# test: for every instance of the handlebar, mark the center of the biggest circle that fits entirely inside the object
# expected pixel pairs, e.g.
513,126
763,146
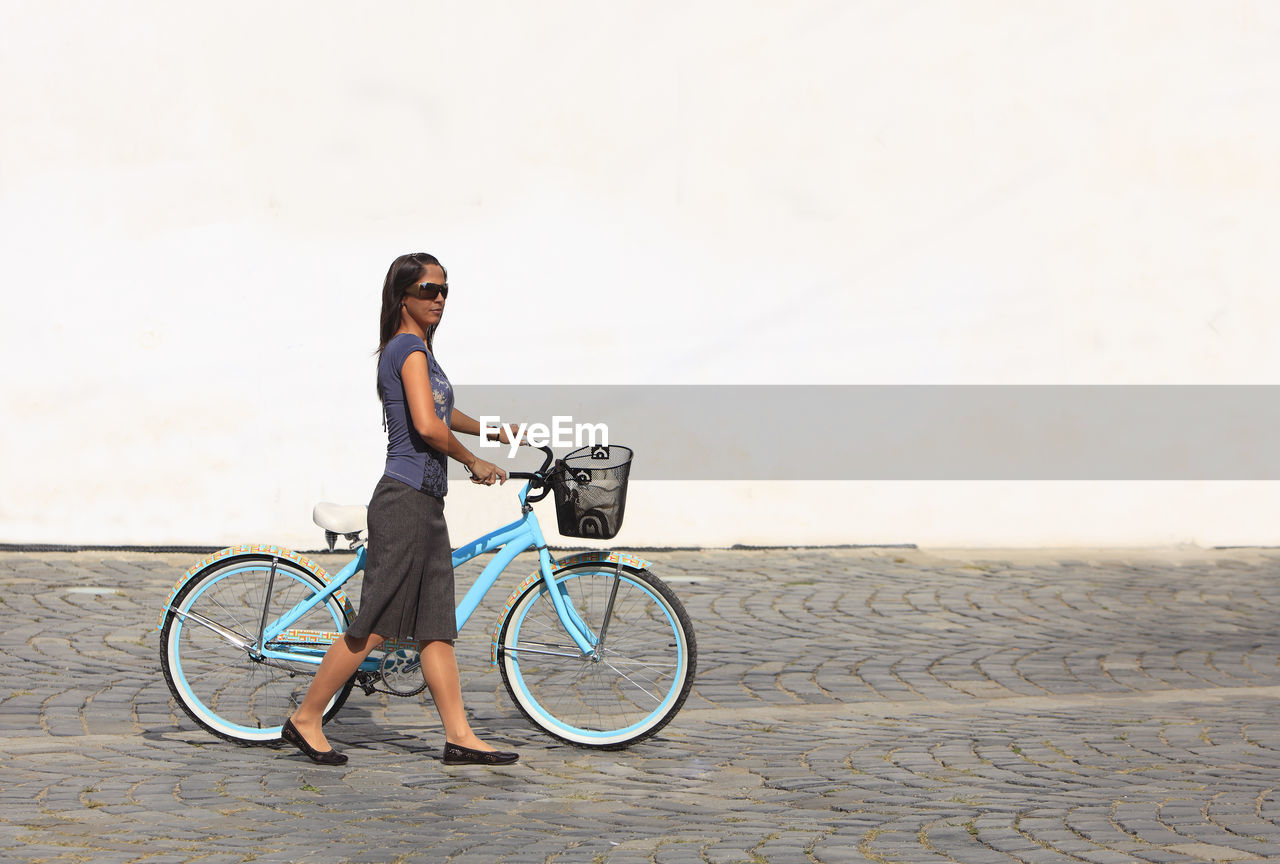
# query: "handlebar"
536,478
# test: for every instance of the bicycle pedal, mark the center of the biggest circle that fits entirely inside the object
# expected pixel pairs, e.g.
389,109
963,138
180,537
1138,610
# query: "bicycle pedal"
366,682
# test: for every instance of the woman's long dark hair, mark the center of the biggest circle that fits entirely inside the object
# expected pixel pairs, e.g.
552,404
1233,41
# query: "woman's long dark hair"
404,271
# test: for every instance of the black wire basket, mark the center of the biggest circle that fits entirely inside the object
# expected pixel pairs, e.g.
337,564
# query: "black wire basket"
590,486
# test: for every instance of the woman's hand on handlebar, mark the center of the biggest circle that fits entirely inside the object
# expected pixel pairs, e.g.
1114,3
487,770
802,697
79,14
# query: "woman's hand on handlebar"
486,473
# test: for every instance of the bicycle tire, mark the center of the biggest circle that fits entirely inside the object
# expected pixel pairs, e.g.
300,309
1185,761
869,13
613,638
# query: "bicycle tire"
218,684
637,685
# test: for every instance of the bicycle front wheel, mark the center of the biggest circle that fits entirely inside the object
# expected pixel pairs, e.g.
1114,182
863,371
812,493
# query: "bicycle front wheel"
218,681
624,692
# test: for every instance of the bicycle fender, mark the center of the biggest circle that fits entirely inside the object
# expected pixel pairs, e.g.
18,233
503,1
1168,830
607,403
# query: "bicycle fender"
604,556
245,551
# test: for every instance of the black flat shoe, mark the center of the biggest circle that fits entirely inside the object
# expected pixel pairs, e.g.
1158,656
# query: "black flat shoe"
291,734
456,754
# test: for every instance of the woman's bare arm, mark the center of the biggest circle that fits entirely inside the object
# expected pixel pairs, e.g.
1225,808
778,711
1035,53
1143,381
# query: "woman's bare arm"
468,425
433,430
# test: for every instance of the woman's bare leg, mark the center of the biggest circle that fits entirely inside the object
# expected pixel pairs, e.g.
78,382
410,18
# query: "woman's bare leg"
440,669
339,664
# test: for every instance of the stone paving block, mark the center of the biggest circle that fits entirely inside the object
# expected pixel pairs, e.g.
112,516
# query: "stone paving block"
627,856
1108,857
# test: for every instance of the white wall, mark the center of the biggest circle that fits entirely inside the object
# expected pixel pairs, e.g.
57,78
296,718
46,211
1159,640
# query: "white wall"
198,202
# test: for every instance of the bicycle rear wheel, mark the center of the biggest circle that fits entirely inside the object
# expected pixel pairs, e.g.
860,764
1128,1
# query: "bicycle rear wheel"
219,683
625,693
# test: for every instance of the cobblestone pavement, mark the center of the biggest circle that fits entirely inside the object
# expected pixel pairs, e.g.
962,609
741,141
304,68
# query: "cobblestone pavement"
851,705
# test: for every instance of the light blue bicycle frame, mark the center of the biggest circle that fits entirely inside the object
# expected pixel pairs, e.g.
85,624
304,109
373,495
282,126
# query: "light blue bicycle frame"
523,534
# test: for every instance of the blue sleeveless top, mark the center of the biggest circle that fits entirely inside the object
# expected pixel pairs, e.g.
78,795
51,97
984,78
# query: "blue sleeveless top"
410,459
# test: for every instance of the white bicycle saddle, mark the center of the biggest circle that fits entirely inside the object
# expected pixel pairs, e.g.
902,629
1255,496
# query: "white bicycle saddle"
341,518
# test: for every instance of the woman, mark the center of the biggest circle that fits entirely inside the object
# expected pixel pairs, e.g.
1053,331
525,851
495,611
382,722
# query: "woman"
408,581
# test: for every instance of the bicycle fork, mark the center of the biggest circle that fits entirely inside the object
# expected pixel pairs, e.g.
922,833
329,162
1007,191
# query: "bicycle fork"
591,644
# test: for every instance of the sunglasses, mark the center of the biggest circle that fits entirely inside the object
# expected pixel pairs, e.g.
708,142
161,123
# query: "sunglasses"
428,290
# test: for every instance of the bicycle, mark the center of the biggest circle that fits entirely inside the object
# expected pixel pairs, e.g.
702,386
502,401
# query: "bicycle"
594,649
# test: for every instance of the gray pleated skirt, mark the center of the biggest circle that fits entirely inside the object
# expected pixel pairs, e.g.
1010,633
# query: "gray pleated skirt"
408,576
